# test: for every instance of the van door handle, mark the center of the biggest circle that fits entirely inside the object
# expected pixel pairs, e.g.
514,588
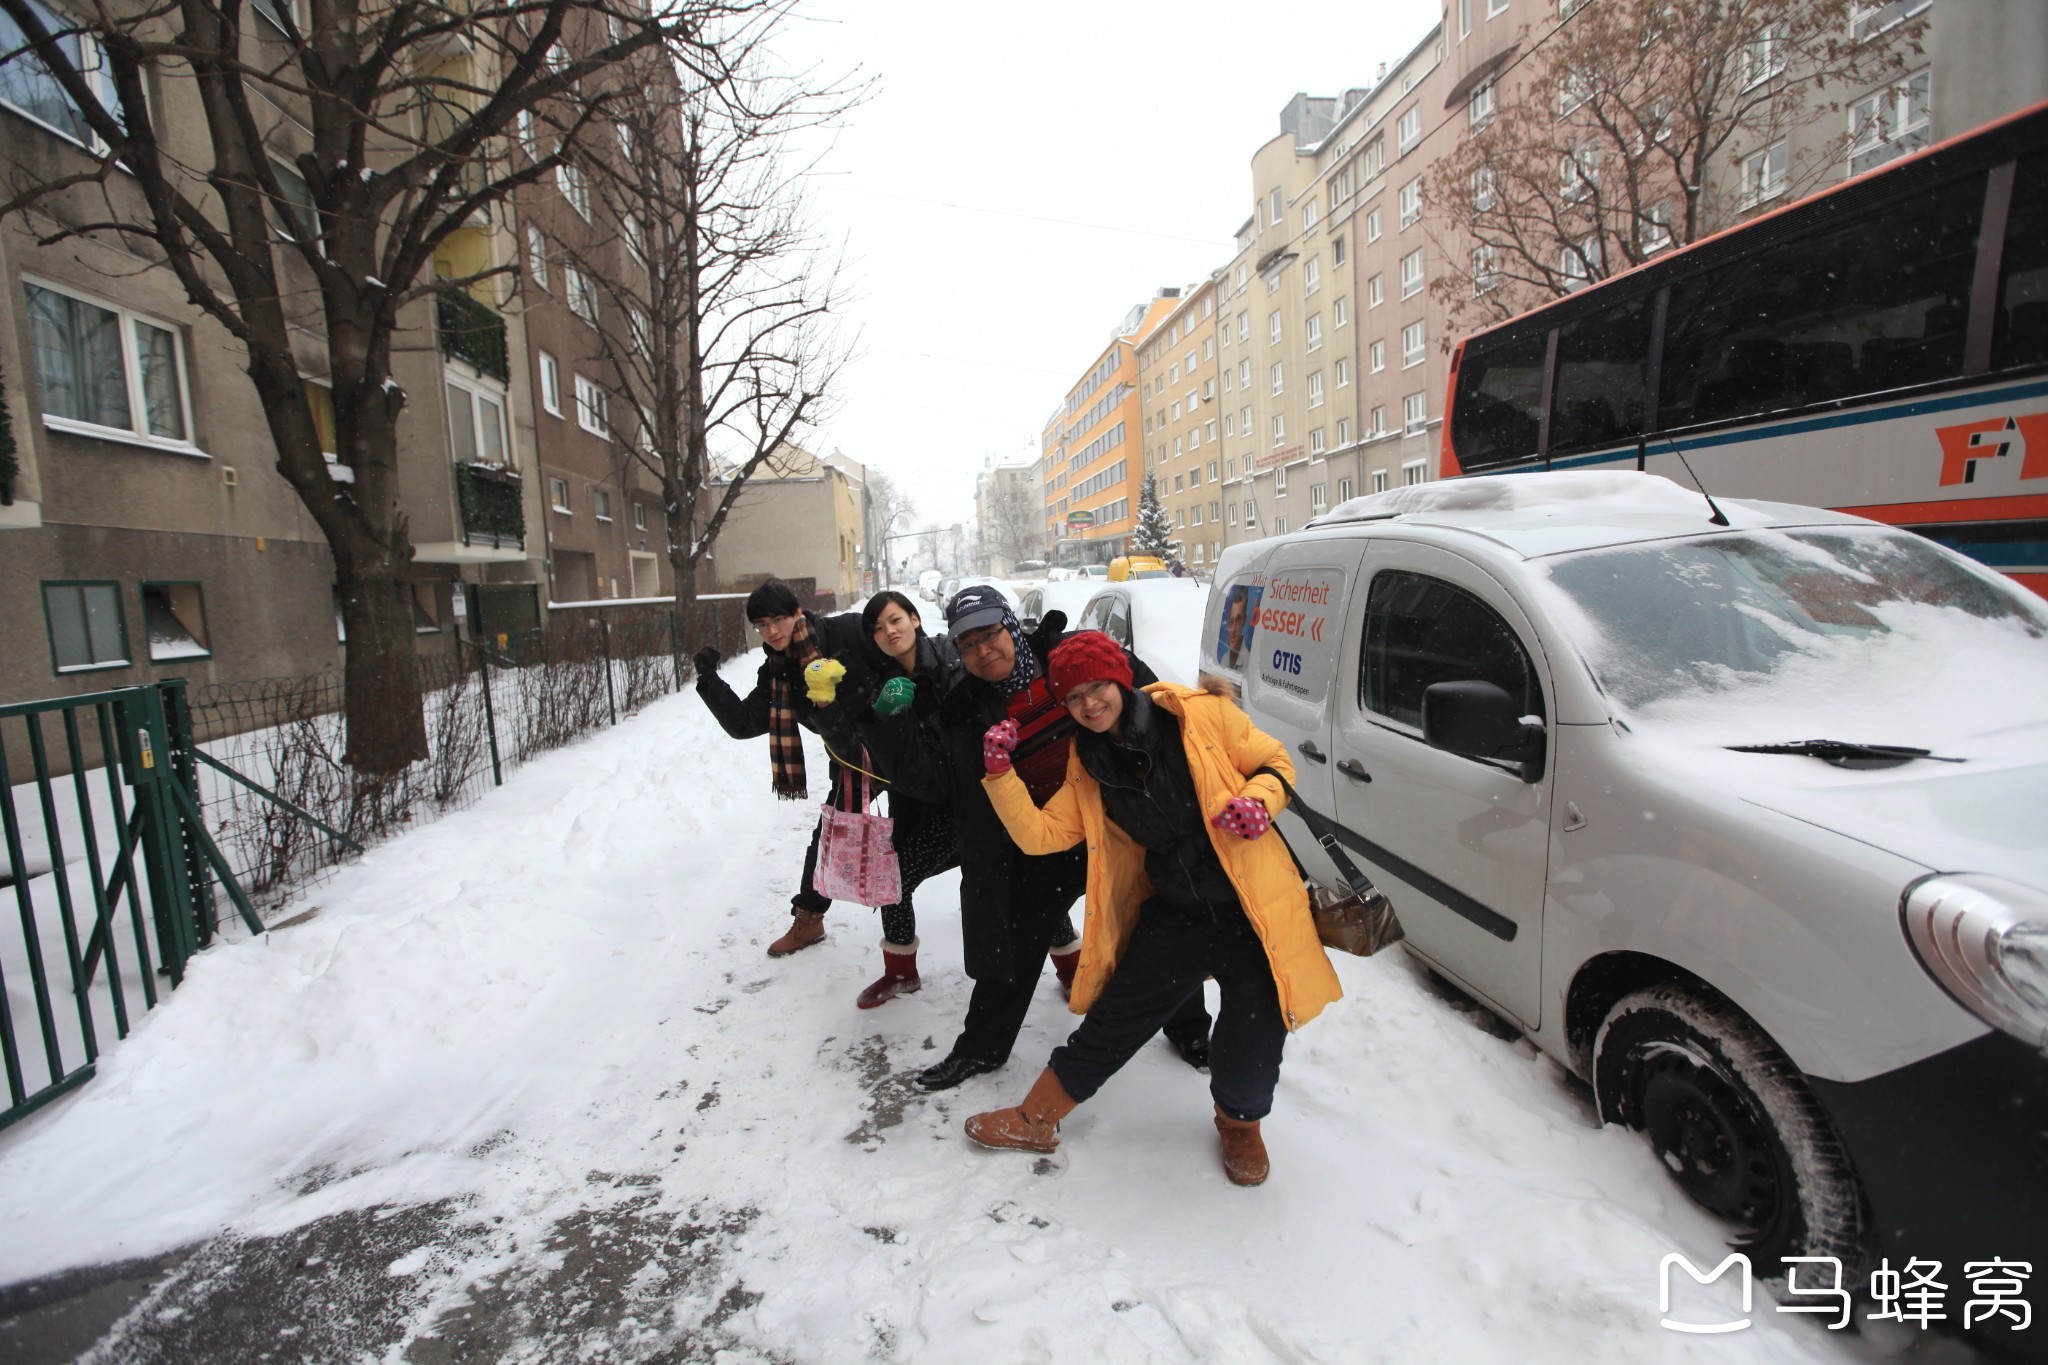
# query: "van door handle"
1309,750
1354,770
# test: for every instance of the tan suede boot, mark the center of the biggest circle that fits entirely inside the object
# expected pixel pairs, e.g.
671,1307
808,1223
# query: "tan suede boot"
1244,1151
1032,1126
807,927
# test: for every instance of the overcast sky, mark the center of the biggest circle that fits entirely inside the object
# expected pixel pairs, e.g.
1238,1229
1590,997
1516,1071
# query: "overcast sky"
1023,175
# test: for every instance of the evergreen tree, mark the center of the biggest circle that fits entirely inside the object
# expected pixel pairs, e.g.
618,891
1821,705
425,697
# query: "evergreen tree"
1154,534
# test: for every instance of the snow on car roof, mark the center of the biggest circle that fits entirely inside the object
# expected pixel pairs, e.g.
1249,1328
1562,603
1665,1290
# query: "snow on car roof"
1546,513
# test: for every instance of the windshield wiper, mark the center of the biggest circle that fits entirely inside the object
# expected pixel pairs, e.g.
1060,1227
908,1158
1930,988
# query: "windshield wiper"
1845,755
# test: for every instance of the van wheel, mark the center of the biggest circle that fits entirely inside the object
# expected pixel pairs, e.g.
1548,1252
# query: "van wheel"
1729,1114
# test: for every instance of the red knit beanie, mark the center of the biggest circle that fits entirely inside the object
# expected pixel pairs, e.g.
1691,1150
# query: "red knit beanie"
1087,656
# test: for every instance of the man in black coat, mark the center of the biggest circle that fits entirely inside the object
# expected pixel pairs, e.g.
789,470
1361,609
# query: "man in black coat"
790,637
1009,900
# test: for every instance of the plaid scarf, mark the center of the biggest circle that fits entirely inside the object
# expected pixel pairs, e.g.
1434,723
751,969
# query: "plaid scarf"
785,740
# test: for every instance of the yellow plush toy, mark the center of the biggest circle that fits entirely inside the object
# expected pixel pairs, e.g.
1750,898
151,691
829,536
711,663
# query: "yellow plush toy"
821,680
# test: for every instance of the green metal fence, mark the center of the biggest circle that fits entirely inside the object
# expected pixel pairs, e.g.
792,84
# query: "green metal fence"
110,869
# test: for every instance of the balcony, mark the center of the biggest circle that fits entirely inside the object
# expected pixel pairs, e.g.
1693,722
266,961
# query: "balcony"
473,333
492,506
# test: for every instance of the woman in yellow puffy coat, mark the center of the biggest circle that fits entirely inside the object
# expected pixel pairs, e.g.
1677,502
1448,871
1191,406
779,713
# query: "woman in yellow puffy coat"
1184,883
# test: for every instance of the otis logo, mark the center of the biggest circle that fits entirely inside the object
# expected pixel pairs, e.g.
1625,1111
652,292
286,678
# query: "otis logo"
1964,445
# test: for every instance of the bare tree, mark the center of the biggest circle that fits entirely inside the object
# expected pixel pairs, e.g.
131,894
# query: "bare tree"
1014,525
338,145
717,328
1600,149
893,508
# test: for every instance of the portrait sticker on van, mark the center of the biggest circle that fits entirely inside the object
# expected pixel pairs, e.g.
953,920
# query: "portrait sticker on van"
1297,631
1235,627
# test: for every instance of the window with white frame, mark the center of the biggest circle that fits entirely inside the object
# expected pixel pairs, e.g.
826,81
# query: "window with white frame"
1243,274
1273,327
1344,372
1312,275
1411,274
476,423
106,370
1336,251
1414,472
1280,481
1414,413
1764,55
1578,170
28,87
1372,226
1411,202
1279,429
522,130
1578,261
1244,326
1343,491
592,408
1375,292
639,516
1315,332
1411,345
1653,230
1374,159
1315,389
601,504
1485,269
1479,108
1482,189
1208,348
1408,130
1496,8
1209,430
537,256
1279,526
1464,19
1244,420
582,292
558,495
636,237
1244,373
1176,409
1195,515
1231,517
1574,88
1198,552
1340,312
1318,494
550,383
1251,514
1379,481
575,188
1376,357
1279,377
1273,208
1229,425
1343,434
1763,175
1308,215
1889,123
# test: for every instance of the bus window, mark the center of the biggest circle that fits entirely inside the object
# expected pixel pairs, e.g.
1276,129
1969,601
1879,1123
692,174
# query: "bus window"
2020,336
1500,389
1878,304
1602,369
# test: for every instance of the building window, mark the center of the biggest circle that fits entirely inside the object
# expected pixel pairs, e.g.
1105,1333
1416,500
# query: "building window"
1375,291
1273,208
1578,171
1244,326
87,629
1308,215
1273,327
1279,429
1411,345
1764,56
476,424
591,408
636,236
1279,377
1244,373
1479,108
1343,491
1408,131
1379,423
558,494
537,256
1344,372
1379,481
639,516
1496,8
1231,517
1411,274
1318,497
1372,226
1315,332
1315,389
1485,269
1336,251
550,384
1312,275
1482,189
1888,124
1376,356
1414,413
1763,175
1340,312
569,177
174,618
582,291
1280,481
1244,421
1411,202
1344,439
1414,472
27,87
1653,232
107,370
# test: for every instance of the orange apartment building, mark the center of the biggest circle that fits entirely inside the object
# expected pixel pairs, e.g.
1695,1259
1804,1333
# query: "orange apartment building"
1091,461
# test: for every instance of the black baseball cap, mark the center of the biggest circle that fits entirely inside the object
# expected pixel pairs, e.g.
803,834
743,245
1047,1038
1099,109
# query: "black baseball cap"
974,607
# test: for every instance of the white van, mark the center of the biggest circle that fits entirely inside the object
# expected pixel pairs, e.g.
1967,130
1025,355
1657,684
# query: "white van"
1741,813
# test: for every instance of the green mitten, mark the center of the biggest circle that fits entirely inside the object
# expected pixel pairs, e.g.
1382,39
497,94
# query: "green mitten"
895,697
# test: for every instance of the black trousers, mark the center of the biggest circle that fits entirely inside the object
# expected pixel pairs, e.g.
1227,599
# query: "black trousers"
1041,891
1170,954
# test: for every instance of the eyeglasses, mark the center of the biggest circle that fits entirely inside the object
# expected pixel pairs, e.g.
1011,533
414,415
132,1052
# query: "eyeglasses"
1088,693
761,621
980,640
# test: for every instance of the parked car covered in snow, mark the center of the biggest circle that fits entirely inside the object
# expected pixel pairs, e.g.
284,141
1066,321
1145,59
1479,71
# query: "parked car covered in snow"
1157,619
1740,813
1068,596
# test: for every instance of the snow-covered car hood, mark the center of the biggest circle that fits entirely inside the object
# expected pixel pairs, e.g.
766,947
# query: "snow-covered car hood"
1988,815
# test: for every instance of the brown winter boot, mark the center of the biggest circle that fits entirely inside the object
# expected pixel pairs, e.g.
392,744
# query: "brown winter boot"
1244,1151
1032,1126
1066,959
806,928
899,975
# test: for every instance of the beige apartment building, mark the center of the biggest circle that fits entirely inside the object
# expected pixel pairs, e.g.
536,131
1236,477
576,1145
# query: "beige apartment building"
146,533
799,516
1179,373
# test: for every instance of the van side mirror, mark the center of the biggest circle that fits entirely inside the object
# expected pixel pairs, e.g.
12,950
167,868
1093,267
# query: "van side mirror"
1480,720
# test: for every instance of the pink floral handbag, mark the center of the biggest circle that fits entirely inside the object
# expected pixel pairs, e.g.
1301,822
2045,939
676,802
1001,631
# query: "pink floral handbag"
857,850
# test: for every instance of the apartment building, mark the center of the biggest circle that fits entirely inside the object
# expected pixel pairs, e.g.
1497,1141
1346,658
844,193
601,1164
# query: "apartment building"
1009,515
1093,465
799,516
145,531
1179,377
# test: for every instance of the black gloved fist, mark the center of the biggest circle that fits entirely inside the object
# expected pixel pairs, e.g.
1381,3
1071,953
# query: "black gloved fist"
707,660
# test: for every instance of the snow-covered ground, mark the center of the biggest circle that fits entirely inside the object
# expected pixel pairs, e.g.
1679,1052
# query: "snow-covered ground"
557,1001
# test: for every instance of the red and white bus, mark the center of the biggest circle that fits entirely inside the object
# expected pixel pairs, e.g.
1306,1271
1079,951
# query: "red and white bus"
1880,348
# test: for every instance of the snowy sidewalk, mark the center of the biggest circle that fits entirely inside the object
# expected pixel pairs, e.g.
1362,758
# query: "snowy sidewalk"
526,1087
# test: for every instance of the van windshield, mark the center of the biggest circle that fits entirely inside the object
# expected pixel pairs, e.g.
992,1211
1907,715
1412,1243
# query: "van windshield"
1810,616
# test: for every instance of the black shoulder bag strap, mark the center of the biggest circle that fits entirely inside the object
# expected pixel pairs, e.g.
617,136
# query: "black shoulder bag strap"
1325,832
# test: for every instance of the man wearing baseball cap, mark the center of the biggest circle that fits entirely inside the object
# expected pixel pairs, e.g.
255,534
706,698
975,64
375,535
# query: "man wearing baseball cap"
1012,905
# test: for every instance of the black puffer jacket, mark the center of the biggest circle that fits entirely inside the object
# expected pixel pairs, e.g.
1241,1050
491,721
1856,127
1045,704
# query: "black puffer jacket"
938,758
867,668
746,717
